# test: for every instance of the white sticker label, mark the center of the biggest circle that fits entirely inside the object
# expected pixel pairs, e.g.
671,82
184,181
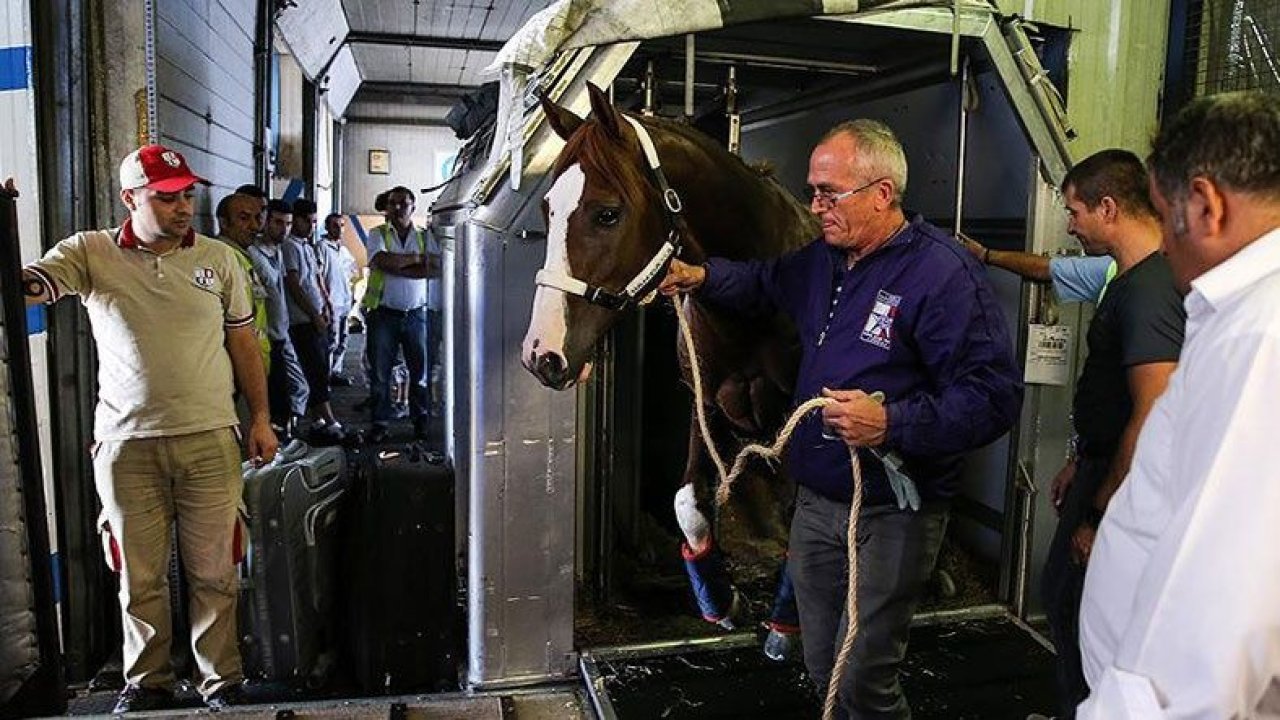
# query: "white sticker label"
1048,355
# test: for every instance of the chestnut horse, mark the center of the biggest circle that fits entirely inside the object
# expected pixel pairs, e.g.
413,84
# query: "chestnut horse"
628,194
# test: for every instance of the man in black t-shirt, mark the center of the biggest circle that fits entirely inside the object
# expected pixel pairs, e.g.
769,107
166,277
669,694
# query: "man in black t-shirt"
1134,341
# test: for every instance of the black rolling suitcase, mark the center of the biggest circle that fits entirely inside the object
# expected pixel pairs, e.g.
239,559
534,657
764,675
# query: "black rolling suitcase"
403,600
290,576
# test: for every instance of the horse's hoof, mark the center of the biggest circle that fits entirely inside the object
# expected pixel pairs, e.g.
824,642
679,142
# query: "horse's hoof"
729,621
778,646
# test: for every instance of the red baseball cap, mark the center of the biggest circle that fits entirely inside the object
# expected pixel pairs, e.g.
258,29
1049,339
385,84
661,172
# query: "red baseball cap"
158,168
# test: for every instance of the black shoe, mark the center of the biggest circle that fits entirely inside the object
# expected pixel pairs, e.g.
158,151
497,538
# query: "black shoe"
339,381
377,435
227,696
135,698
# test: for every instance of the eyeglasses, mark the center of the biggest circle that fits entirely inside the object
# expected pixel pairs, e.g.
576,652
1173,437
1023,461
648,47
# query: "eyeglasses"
828,199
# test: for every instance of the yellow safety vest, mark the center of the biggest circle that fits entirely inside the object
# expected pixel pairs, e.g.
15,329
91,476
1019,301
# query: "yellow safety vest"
259,300
377,278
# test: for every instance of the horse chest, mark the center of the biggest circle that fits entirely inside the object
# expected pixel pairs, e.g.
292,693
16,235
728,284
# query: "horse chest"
747,364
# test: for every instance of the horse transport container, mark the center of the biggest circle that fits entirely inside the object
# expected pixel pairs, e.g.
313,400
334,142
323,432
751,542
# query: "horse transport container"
555,500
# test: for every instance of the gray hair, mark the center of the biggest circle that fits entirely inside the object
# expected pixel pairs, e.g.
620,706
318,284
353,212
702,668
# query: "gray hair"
879,152
1232,139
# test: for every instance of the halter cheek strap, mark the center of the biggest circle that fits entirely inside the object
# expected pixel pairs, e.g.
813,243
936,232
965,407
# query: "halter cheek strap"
632,293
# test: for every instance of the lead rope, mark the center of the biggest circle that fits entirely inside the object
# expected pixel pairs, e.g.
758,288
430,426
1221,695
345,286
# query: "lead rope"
772,452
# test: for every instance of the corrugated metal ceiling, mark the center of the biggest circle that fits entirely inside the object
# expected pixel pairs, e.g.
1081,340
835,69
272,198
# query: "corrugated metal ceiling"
434,49
421,65
424,53
466,19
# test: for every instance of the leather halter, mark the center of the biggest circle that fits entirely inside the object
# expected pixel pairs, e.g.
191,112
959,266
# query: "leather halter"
635,291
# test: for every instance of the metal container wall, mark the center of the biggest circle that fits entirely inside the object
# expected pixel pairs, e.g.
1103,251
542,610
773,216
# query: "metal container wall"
512,441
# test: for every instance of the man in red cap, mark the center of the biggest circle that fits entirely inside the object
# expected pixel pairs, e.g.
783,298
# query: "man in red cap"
172,317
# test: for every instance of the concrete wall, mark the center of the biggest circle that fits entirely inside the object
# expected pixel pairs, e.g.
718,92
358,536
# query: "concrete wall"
205,90
416,151
288,149
121,101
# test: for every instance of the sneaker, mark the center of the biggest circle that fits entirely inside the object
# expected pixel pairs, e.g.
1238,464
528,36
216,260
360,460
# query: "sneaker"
377,435
777,646
226,696
135,698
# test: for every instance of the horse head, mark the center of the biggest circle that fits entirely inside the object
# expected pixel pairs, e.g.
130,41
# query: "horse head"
610,236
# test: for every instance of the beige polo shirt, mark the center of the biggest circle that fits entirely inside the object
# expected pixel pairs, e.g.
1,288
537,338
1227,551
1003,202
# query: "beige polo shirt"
159,321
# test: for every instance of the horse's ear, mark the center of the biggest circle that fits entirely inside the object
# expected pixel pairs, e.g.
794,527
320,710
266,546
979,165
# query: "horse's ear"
563,121
604,111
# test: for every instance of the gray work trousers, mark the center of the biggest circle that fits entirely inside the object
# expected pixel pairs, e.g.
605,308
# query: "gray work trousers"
296,380
896,553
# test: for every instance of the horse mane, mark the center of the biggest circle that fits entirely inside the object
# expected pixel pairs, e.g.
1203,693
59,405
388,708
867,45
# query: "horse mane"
765,169
802,224
596,151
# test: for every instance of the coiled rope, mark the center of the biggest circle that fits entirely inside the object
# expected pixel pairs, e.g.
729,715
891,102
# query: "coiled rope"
772,452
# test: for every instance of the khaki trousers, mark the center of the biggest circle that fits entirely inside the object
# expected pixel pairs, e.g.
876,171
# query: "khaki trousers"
146,485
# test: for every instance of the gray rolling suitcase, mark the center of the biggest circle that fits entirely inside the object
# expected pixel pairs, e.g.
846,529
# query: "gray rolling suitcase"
289,577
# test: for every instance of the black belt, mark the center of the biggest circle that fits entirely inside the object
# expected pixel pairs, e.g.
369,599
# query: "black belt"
394,311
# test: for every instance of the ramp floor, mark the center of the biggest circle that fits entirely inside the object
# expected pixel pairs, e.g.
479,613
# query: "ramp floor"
984,669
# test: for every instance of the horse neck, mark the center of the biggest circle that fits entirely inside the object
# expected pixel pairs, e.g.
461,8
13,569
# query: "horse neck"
731,210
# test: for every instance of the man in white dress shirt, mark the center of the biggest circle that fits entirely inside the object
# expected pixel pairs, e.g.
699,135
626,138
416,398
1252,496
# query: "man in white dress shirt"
1181,609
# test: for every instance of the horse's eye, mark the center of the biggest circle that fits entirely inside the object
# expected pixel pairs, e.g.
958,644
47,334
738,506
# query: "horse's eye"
608,217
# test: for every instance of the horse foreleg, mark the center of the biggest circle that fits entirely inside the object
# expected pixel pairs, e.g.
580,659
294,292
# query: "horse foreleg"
693,521
708,576
784,618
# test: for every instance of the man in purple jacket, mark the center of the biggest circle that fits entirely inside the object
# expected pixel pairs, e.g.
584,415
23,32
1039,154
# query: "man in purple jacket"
883,305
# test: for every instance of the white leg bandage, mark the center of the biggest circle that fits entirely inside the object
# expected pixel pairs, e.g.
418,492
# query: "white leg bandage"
697,531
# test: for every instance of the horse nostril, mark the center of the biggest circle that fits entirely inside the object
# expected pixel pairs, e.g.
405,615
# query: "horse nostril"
553,363
551,368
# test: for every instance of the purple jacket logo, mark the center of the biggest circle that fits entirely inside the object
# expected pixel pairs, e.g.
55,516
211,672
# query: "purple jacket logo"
879,328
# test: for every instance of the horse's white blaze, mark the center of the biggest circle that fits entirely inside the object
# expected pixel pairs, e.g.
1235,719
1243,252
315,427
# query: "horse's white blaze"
547,326
693,523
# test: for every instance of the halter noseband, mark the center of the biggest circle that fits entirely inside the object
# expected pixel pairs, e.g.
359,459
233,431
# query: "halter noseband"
631,295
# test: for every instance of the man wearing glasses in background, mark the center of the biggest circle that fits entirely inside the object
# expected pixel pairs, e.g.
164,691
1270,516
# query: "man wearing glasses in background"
899,327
